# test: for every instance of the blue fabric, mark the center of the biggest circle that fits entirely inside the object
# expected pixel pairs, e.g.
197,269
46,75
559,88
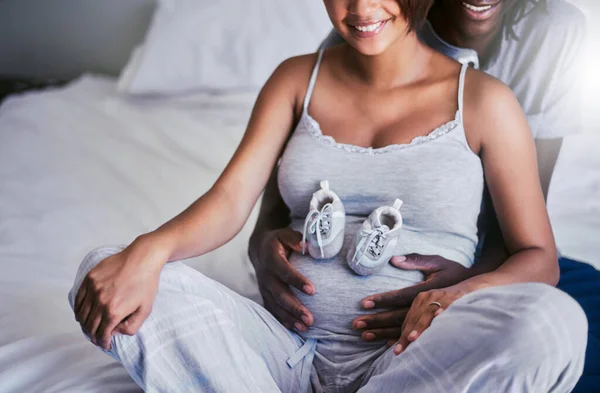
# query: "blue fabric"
582,282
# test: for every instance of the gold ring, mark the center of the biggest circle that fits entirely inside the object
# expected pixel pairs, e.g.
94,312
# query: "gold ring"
436,304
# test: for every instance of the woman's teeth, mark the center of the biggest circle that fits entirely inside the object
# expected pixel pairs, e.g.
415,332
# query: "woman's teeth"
368,28
475,8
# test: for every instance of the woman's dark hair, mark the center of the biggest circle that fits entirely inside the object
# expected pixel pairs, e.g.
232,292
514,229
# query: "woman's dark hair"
415,12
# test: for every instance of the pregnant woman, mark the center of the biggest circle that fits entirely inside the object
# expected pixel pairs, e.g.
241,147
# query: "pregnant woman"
381,117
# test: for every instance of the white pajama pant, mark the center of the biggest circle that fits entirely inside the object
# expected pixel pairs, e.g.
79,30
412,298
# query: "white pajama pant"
203,337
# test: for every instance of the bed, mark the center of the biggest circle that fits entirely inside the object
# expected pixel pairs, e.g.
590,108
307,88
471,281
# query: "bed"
67,188
85,165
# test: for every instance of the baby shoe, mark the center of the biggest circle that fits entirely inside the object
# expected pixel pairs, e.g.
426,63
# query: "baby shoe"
376,240
324,224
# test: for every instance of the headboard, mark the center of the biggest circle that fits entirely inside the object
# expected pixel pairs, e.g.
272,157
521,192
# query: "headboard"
64,38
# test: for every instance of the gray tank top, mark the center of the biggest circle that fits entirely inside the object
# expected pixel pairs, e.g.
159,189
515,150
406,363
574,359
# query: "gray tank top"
439,178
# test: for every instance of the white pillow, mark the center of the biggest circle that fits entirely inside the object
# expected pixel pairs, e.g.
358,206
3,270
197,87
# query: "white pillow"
217,45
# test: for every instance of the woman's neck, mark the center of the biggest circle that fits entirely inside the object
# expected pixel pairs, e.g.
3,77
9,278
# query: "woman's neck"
401,63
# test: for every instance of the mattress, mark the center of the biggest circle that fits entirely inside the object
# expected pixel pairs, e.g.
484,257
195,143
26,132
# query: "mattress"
82,167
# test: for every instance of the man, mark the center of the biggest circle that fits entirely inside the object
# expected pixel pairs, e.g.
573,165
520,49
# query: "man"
533,46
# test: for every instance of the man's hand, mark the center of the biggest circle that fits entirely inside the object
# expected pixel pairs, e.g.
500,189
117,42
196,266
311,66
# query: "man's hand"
275,275
387,325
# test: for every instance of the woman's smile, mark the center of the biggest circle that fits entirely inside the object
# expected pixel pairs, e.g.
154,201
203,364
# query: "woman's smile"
368,29
371,26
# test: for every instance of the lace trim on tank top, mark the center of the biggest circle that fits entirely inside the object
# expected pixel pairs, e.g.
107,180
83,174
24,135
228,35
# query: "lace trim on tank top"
314,128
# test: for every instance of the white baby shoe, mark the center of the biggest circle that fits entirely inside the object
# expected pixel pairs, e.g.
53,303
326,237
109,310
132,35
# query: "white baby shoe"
324,225
376,240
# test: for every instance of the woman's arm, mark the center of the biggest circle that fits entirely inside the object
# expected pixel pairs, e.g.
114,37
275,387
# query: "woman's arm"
493,252
117,294
498,129
220,214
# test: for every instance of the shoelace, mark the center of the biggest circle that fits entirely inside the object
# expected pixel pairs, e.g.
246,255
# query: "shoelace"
317,222
372,241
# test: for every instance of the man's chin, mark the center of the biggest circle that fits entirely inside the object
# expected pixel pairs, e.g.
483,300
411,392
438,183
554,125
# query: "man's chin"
473,30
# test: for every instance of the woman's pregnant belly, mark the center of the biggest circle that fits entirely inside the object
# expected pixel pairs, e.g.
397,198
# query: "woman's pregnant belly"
340,291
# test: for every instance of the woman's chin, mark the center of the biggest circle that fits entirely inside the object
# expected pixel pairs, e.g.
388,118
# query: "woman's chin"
373,48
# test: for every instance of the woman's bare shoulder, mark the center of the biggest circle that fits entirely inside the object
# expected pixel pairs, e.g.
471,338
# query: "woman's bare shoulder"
489,106
293,75
481,88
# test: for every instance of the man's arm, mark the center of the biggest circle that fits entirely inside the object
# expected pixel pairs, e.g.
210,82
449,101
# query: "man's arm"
273,214
271,244
547,155
561,115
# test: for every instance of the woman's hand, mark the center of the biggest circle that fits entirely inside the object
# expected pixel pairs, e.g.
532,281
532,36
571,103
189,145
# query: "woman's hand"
117,294
387,325
275,275
425,308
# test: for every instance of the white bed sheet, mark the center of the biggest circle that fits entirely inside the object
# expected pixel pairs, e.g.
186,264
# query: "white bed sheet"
81,167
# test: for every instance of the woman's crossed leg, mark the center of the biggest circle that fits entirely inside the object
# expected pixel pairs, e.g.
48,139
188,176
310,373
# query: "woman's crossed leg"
521,338
201,336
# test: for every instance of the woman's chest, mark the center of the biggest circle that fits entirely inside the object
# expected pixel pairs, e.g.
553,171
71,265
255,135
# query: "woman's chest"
436,174
371,118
